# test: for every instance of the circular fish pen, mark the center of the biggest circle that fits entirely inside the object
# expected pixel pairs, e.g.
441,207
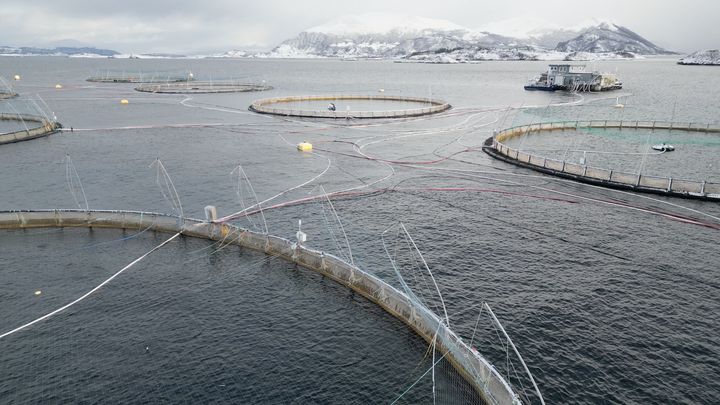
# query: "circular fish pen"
200,87
474,368
121,76
558,156
336,106
24,127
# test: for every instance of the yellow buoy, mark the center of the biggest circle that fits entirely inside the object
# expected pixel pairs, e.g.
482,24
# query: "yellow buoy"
124,101
17,77
58,86
304,147
38,292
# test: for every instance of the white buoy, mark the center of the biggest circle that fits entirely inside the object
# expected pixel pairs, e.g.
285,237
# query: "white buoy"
300,235
210,213
17,77
58,86
38,292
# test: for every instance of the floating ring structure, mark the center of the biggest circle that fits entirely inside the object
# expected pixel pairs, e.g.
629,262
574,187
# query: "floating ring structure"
199,87
44,127
138,77
485,379
703,190
268,106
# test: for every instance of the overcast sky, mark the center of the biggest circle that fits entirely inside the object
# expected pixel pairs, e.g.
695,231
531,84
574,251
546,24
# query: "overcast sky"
186,26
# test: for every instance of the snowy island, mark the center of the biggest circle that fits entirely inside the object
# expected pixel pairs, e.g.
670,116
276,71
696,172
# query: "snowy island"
707,57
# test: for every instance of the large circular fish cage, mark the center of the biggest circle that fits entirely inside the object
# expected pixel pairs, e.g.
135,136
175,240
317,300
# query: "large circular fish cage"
199,87
33,127
484,378
139,77
274,106
603,176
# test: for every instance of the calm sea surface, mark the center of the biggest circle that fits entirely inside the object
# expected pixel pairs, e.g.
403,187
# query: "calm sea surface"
610,297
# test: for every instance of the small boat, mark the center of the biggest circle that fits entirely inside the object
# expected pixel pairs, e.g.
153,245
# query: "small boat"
663,147
540,84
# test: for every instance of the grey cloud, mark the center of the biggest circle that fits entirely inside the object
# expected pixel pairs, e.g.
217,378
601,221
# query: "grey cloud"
186,26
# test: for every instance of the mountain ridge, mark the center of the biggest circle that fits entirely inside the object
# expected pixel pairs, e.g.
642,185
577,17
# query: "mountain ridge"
368,36
57,51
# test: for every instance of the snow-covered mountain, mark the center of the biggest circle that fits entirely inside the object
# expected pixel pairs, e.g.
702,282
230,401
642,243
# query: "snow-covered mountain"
610,37
393,44
416,38
384,36
708,57
235,53
58,51
538,32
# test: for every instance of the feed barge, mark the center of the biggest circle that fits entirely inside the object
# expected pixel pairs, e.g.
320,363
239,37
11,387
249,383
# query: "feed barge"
569,77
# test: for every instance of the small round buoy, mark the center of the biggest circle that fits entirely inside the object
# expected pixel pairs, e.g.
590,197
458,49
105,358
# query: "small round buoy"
124,101
304,147
38,292
618,105
17,77
58,86
381,90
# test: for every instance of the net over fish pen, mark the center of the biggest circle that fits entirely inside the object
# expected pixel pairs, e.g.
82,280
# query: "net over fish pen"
25,119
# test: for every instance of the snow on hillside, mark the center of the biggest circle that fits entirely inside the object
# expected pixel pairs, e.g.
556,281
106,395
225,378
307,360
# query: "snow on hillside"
610,37
57,51
707,57
397,36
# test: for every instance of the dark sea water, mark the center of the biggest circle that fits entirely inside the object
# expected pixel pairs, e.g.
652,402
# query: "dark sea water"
610,297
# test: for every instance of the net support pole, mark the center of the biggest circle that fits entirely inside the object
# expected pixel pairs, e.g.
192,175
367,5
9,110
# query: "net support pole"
517,353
